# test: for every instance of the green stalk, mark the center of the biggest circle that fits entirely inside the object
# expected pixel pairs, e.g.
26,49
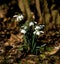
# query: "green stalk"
33,44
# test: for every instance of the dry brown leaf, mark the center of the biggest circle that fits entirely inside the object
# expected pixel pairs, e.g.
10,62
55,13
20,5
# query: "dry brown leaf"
30,62
55,50
13,39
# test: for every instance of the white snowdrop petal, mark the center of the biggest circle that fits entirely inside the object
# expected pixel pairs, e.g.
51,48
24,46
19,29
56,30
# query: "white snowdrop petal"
17,19
22,26
37,33
41,26
37,28
20,19
22,16
19,16
25,27
15,16
41,31
31,24
23,31
34,32
35,22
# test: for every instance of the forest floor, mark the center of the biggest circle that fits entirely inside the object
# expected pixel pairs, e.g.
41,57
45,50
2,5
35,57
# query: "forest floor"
11,40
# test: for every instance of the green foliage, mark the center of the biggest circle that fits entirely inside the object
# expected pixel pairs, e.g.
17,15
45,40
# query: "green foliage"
30,40
49,48
23,48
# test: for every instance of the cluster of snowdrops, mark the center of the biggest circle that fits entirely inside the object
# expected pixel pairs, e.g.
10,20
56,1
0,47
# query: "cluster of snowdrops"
31,31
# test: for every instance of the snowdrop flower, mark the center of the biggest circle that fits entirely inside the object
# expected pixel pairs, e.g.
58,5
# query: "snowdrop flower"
41,26
24,27
18,17
42,32
23,31
31,24
36,32
21,16
35,22
37,27
15,16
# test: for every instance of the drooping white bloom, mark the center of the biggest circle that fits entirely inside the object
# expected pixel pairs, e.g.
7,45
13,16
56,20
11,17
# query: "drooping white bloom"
41,26
24,27
35,22
37,27
23,31
42,32
36,32
31,24
21,16
15,16
18,17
